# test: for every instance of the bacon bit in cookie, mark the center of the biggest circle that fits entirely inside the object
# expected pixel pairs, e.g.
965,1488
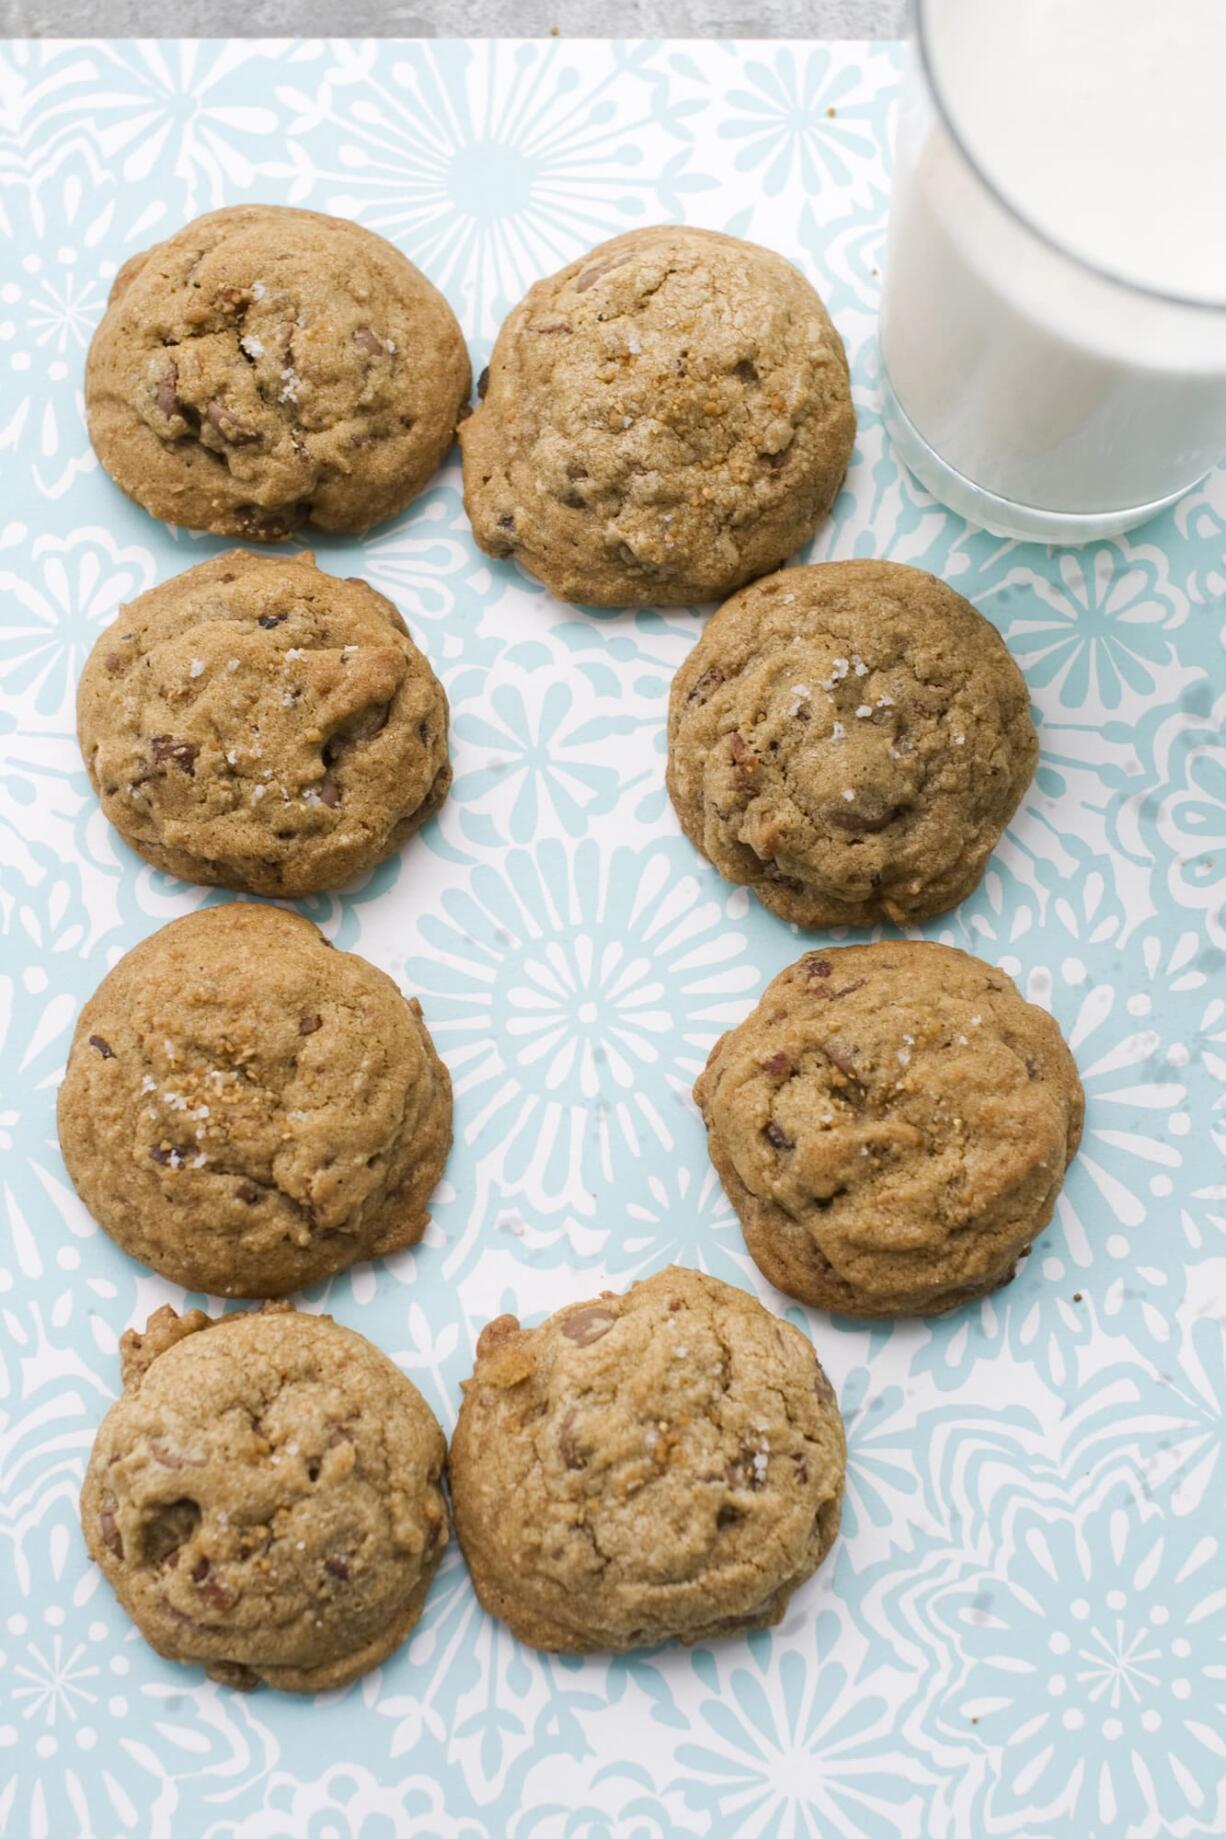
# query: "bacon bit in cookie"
339,1567
112,1538
587,1325
183,753
103,1047
170,1459
307,1024
776,1063
778,1137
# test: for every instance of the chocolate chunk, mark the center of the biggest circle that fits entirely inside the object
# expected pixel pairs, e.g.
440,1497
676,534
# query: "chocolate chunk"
307,1024
269,620
166,393
238,433
200,1570
329,791
710,680
587,1325
590,276
566,1442
776,1063
369,342
104,1047
183,753
817,967
246,1193
778,1137
339,1567
483,382
112,1538
162,1154
745,371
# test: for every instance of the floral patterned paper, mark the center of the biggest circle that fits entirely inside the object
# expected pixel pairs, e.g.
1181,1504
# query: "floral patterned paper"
1021,1631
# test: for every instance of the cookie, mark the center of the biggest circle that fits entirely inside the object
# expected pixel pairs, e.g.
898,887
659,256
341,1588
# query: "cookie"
265,1498
257,724
667,1463
248,1110
266,368
892,1125
850,740
661,421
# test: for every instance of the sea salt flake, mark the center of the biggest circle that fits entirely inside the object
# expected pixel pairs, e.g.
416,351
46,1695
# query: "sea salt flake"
257,792
231,758
292,384
198,1162
959,740
231,663
651,1438
838,732
859,666
197,668
849,794
295,651
632,345
904,1056
864,711
252,346
258,291
885,702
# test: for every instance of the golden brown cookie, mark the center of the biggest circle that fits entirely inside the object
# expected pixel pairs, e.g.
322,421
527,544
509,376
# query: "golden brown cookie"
265,368
663,420
849,739
892,1124
257,724
265,1497
248,1110
667,1463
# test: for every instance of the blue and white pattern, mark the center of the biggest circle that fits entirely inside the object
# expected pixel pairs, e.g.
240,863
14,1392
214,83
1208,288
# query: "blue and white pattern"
1021,1633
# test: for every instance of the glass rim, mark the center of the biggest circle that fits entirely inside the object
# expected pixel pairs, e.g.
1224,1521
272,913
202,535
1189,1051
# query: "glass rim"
1188,302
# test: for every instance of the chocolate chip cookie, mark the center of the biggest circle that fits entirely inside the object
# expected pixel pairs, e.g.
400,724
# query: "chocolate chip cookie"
892,1125
265,368
257,724
265,1498
667,1463
661,421
248,1110
850,740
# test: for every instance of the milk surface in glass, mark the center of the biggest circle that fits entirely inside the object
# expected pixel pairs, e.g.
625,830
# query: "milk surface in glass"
1054,322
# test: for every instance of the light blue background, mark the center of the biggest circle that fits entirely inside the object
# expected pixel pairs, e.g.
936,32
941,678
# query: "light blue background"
1021,1631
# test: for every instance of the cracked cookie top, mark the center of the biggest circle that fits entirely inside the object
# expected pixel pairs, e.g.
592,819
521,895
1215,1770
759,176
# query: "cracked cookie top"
667,1463
258,724
265,368
265,1498
247,1110
850,739
892,1124
661,421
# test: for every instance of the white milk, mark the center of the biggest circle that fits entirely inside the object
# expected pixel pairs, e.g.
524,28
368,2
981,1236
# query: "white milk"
1101,124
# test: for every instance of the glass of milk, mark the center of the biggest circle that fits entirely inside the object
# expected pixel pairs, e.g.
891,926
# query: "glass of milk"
1053,327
